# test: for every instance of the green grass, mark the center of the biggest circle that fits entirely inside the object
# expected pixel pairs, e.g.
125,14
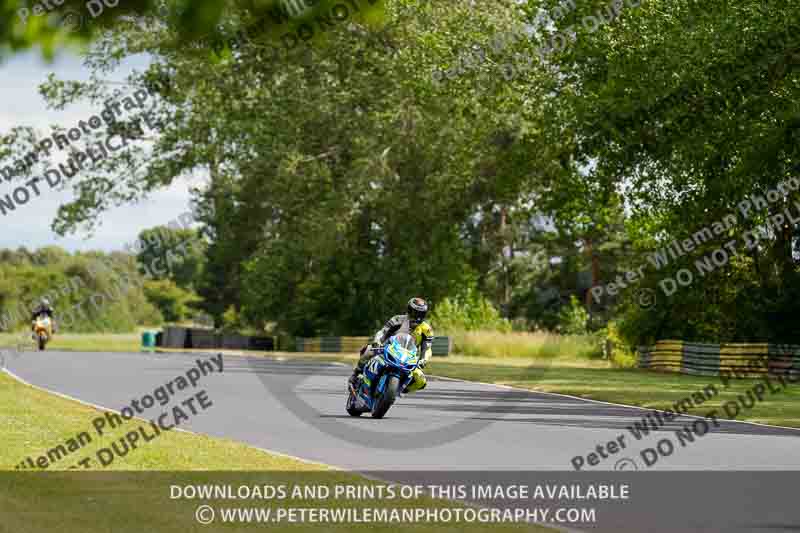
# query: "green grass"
572,364
537,345
89,342
32,421
598,380
128,496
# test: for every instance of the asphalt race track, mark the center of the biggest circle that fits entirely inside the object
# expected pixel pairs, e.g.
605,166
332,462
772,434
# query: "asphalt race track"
451,425
296,407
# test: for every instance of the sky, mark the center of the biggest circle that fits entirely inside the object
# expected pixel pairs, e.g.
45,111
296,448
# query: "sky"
22,105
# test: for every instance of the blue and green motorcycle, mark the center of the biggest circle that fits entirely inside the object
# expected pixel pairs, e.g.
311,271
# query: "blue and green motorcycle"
384,377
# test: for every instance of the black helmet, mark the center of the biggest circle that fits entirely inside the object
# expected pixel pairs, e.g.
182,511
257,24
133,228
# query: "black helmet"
417,310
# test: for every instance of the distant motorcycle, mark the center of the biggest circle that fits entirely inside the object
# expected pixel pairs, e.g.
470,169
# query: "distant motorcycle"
384,377
42,331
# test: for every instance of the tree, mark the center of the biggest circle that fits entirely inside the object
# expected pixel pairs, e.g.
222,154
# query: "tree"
689,109
363,178
162,255
174,303
78,22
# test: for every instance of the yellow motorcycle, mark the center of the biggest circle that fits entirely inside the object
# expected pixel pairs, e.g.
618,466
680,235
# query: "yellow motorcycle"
42,330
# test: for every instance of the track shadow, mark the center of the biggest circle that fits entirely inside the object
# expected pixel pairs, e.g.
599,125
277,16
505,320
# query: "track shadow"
482,401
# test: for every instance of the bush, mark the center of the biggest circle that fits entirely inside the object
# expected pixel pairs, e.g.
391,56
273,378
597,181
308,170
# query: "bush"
468,312
232,321
536,345
572,319
87,295
173,301
622,355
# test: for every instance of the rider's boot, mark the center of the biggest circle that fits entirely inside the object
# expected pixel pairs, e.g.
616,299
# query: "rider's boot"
354,378
359,369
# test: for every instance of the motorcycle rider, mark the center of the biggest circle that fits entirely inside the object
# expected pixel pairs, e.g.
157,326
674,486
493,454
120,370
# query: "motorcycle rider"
413,323
44,308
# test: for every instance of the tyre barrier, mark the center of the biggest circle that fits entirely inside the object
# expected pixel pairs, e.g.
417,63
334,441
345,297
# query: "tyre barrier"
199,338
698,359
174,337
441,345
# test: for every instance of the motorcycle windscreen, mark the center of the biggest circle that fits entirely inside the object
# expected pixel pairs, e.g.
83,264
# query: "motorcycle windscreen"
403,351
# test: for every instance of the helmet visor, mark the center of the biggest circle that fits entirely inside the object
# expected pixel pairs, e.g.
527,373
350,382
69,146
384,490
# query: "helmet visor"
417,310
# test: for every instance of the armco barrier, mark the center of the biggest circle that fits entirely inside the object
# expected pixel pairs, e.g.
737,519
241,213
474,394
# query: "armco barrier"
441,345
710,359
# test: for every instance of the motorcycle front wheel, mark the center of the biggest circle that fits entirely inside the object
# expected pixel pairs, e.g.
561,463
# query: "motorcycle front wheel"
42,342
388,397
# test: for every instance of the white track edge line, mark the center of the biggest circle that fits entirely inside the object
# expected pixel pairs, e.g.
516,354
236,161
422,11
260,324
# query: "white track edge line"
266,450
444,378
610,403
102,408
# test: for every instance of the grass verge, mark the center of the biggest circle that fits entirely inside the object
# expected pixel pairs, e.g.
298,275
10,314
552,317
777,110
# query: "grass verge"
598,380
89,342
33,421
535,345
134,493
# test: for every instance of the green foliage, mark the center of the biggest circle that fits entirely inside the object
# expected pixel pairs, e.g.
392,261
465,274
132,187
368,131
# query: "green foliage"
617,349
573,319
174,302
162,255
468,312
69,22
90,292
232,320
362,181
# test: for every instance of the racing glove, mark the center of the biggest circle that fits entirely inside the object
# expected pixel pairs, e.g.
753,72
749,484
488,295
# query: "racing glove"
423,363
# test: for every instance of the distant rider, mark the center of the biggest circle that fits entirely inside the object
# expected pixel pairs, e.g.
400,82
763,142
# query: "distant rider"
413,323
44,308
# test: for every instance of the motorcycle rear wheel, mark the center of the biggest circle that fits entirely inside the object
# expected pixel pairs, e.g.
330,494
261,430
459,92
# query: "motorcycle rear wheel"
388,397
